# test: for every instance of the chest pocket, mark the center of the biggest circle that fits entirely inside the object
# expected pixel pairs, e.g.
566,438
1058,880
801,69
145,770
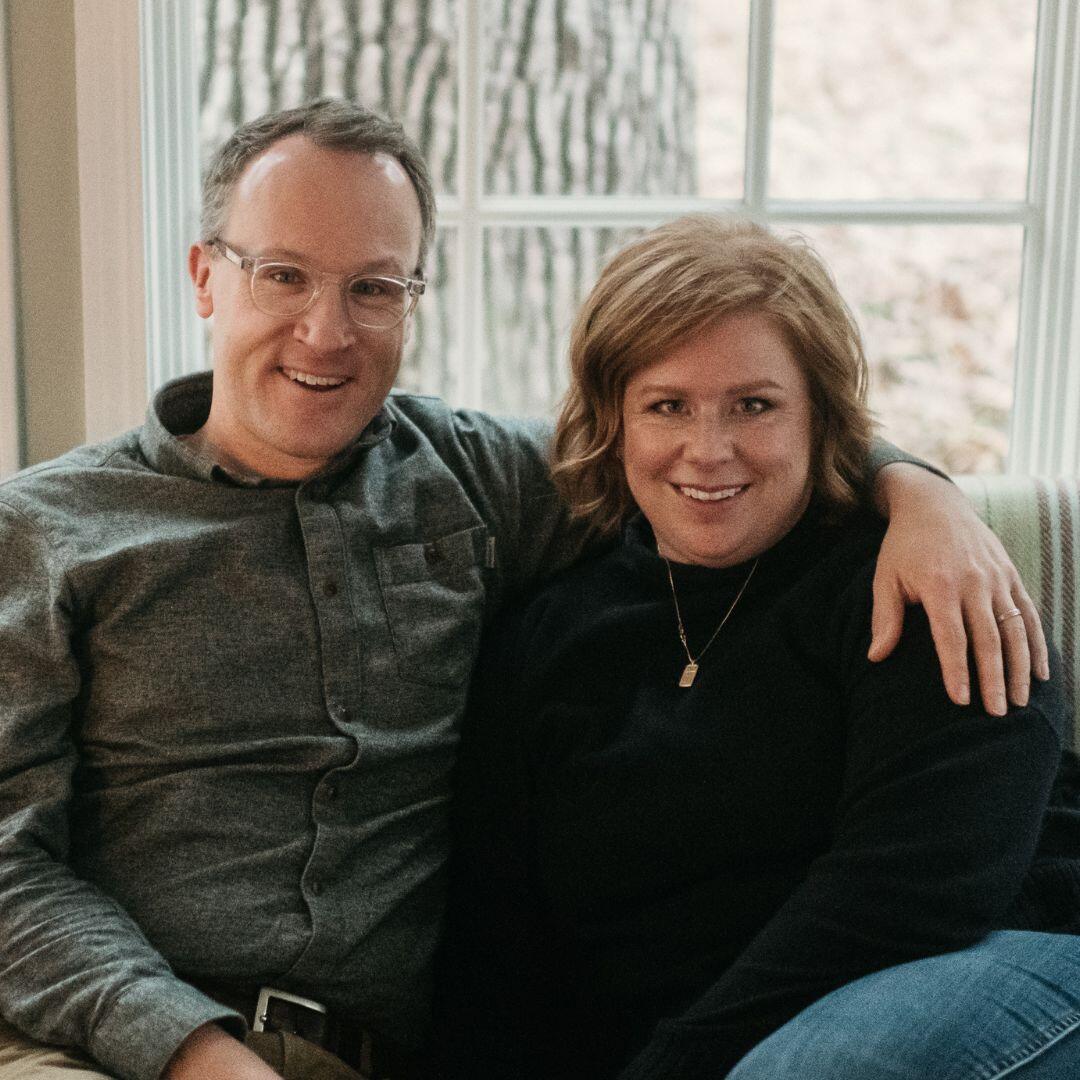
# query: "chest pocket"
433,593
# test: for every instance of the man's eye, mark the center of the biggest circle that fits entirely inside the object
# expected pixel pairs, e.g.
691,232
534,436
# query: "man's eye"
368,288
285,275
669,407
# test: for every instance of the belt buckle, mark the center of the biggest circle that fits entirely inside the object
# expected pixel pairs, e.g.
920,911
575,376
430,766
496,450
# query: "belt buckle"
269,993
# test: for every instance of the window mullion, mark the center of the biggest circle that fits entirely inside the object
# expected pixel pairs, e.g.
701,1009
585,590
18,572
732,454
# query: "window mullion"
628,210
758,105
467,373
1045,437
175,342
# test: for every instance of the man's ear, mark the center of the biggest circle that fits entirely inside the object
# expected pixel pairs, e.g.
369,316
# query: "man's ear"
199,270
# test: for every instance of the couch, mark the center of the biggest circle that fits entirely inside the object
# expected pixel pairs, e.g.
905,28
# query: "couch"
1038,521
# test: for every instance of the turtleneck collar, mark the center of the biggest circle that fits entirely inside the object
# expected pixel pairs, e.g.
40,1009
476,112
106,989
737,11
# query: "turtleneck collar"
789,552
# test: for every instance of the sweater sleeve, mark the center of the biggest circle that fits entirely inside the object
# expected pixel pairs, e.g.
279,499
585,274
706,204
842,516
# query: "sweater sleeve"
74,968
936,826
884,453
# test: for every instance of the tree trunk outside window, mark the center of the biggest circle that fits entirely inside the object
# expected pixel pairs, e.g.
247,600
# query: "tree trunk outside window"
583,97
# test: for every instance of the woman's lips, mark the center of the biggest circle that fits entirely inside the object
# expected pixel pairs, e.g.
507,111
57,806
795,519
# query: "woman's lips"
710,494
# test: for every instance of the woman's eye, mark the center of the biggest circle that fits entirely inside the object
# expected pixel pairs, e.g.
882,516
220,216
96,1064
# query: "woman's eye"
754,406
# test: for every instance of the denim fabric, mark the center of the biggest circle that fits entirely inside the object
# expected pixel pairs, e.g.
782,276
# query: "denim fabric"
228,715
1009,1006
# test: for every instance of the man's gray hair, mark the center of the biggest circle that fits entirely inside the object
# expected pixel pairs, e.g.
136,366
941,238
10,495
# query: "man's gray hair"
327,122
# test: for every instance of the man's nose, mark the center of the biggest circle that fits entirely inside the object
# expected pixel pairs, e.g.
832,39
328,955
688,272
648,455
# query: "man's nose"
326,326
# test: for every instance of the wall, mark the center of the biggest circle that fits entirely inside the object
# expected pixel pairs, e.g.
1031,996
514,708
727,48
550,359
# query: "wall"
41,43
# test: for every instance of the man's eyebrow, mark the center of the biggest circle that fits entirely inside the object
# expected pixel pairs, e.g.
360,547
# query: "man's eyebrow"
385,265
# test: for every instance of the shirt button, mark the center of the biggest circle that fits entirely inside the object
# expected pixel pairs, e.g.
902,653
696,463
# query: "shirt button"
330,792
315,887
330,588
432,554
339,714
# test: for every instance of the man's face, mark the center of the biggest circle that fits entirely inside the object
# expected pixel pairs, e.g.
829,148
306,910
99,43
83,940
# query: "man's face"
333,211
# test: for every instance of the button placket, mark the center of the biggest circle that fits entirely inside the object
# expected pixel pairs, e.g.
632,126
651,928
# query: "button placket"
326,549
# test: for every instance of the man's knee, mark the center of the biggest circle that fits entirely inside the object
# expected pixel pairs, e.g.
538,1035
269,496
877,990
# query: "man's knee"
24,1059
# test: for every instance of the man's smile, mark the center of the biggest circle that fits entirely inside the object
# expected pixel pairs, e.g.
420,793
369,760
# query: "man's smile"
315,382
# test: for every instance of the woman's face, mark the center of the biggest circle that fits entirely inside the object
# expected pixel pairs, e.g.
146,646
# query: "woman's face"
717,442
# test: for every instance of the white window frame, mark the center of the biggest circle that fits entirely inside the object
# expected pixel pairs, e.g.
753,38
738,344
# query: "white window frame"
1045,435
11,440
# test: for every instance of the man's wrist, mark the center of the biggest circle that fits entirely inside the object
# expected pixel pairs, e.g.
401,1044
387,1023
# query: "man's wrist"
899,482
210,1053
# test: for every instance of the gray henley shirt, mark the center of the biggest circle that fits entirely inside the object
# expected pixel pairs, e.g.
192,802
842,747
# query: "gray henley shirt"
228,715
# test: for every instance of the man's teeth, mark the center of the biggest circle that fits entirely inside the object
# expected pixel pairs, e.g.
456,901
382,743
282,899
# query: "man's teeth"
711,496
312,380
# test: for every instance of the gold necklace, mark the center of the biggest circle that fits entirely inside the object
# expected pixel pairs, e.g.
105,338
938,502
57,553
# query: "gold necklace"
689,673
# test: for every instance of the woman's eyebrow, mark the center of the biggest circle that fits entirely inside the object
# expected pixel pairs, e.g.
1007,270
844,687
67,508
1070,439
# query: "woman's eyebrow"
736,389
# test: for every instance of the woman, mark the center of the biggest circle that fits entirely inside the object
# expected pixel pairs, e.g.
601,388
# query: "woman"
693,819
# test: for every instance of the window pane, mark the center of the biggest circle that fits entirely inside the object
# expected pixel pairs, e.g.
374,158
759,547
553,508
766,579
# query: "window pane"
922,99
603,98
721,41
259,55
431,363
534,280
938,308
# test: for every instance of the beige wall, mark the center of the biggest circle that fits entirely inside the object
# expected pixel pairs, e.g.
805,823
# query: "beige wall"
41,41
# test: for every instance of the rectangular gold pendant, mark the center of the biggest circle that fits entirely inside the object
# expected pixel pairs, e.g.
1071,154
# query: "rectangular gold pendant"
689,674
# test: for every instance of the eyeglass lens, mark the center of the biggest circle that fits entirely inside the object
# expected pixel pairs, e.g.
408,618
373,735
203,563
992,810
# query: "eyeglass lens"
278,289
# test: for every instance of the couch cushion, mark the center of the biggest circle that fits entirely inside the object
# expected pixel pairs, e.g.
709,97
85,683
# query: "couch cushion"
1038,521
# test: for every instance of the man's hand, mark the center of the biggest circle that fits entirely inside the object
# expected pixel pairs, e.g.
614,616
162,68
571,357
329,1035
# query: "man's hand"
939,554
209,1053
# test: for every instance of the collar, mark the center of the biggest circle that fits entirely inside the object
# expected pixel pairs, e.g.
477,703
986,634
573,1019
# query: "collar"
790,552
182,406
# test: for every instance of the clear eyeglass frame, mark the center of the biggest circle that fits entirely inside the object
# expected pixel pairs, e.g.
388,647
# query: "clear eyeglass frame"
253,264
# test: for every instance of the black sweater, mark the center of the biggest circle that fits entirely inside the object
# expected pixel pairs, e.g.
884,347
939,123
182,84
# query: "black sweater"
649,880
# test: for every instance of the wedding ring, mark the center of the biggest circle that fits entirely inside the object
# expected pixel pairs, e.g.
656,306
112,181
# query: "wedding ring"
1008,614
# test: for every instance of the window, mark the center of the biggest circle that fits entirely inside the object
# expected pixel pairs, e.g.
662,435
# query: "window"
896,137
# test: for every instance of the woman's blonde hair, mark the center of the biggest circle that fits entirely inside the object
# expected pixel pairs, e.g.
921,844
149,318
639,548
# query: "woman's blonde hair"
669,285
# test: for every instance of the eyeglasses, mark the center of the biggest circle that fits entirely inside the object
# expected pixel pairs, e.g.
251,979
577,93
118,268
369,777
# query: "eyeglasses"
376,302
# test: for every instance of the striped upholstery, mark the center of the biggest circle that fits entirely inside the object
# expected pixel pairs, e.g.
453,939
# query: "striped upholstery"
1038,521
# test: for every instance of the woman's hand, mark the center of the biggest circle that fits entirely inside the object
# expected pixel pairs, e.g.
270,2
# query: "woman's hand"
938,553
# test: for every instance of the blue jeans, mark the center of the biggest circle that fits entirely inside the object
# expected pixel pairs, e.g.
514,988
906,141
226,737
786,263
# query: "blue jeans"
1008,1006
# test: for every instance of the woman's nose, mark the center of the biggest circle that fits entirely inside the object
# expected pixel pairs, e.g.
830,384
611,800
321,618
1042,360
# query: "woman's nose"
709,440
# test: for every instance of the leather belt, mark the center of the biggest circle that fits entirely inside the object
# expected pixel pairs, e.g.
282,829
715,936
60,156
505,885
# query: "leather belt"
270,1009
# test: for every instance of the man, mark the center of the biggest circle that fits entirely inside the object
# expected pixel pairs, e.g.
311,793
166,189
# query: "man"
234,647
